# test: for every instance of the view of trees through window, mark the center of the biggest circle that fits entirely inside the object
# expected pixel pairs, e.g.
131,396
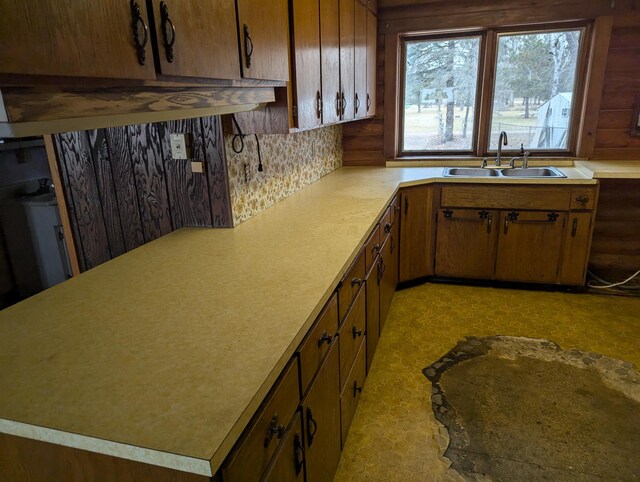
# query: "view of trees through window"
440,94
532,95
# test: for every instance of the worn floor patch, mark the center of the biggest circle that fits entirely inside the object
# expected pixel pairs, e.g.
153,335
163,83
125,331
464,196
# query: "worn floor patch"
524,409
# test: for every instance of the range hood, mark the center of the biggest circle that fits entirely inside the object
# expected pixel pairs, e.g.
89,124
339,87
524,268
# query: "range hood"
35,111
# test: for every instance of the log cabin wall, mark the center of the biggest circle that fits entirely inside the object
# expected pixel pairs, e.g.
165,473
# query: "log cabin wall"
616,242
122,188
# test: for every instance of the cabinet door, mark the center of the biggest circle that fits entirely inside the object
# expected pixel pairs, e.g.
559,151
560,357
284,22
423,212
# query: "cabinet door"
529,246
321,416
360,63
372,287
197,38
264,39
330,60
351,393
352,332
466,242
372,32
347,41
416,250
388,279
575,254
306,53
288,463
83,38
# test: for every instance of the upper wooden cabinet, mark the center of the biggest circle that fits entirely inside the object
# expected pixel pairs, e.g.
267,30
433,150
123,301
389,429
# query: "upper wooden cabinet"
347,59
360,60
264,39
83,38
330,60
372,33
197,38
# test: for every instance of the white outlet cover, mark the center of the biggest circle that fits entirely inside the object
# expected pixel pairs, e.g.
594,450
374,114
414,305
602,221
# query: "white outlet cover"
178,146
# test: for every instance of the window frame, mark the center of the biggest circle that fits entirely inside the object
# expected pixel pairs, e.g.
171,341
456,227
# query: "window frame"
481,35
487,66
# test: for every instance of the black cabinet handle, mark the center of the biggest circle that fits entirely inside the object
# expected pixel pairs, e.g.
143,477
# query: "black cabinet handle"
387,228
318,104
368,101
274,428
574,227
248,46
312,427
298,453
167,26
356,388
406,205
136,22
357,103
582,199
325,337
355,332
375,249
338,104
393,244
356,281
344,104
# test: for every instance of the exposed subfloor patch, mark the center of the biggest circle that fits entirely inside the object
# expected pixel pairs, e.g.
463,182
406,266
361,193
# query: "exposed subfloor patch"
524,409
395,435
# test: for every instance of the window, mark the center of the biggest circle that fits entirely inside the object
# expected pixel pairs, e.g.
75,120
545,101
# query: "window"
529,89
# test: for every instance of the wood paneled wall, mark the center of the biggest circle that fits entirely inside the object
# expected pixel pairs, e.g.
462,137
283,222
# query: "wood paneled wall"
123,189
363,140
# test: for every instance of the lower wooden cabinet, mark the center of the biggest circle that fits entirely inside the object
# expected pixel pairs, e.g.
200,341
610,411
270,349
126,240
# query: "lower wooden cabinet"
372,291
466,242
575,253
321,417
416,228
352,333
288,463
529,246
388,273
352,391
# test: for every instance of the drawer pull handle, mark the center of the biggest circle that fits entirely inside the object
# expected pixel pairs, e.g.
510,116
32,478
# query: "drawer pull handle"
355,332
248,46
375,249
368,101
318,104
274,429
356,281
381,269
406,205
574,227
312,427
167,25
138,26
582,199
298,453
393,244
387,228
325,337
356,389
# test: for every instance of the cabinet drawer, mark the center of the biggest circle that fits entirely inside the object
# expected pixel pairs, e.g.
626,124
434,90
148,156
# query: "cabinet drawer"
385,225
582,198
351,334
288,464
395,209
313,349
261,439
372,248
351,392
350,285
497,197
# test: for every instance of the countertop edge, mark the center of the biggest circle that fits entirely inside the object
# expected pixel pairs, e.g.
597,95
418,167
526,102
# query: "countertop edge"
107,447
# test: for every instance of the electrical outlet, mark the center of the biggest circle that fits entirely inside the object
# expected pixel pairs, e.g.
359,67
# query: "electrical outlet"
180,146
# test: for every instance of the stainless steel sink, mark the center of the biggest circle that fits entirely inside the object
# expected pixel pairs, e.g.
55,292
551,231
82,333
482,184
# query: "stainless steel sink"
532,172
469,172
520,172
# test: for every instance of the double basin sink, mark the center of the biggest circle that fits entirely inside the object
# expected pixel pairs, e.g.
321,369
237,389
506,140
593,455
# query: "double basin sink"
520,172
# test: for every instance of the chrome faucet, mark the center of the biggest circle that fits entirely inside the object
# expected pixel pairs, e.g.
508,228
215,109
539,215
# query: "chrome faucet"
502,141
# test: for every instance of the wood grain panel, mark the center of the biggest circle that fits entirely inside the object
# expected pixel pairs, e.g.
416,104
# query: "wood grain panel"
615,119
25,460
623,59
106,189
84,203
188,191
615,248
616,138
617,99
625,38
216,170
149,176
628,80
80,38
127,196
616,153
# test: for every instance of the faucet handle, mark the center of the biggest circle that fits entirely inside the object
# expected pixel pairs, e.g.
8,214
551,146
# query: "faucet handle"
484,163
521,150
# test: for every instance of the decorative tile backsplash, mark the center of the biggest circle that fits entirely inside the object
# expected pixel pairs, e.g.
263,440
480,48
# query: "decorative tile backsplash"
291,162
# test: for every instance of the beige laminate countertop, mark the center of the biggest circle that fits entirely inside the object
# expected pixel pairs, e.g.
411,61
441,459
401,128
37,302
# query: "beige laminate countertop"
610,169
163,354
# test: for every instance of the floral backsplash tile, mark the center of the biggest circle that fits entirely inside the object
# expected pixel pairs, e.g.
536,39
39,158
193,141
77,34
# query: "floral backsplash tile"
290,161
